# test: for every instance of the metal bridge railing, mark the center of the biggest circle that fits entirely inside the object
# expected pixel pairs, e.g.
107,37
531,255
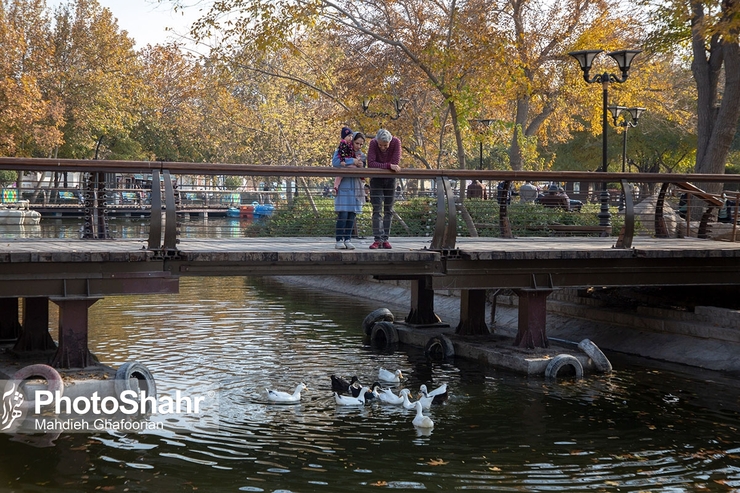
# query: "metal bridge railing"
435,210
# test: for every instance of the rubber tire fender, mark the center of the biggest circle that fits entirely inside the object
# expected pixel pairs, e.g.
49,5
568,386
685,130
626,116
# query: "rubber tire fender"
134,369
379,315
439,348
601,362
53,379
383,335
559,362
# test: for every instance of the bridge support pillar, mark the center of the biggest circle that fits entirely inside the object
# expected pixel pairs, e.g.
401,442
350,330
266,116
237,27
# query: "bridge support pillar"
10,327
422,303
73,351
35,334
532,318
472,312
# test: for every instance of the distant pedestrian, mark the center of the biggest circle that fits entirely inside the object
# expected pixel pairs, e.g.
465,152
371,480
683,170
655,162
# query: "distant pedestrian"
556,199
350,195
528,193
476,191
384,153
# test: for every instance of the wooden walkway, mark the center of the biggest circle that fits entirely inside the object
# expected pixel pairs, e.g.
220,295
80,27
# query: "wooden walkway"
477,263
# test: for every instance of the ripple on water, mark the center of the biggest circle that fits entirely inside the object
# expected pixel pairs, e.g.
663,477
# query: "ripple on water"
498,432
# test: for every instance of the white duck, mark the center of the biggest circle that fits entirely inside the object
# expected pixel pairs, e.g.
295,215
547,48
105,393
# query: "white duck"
386,396
345,400
426,402
280,397
421,421
388,376
438,395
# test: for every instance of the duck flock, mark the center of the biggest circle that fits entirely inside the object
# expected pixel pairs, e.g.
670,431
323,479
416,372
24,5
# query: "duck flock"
353,393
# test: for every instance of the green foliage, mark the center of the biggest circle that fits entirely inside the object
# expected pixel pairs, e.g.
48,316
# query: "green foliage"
232,182
418,217
7,177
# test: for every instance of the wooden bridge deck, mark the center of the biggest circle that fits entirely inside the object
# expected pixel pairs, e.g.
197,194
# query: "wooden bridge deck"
63,267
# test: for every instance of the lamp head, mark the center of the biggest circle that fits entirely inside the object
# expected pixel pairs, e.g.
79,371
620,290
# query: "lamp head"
636,113
615,111
624,59
585,58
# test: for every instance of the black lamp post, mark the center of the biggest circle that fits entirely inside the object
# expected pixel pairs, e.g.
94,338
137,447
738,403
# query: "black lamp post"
624,60
626,124
481,125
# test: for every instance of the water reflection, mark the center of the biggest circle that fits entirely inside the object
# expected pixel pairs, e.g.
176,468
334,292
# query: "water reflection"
657,429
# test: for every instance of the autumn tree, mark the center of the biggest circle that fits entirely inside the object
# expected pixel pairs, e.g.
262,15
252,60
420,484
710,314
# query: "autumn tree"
92,80
708,32
28,121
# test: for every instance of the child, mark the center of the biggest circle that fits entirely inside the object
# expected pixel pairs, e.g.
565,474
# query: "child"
345,150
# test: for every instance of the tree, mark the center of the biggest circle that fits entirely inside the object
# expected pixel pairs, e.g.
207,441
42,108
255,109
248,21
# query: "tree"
92,79
28,121
708,30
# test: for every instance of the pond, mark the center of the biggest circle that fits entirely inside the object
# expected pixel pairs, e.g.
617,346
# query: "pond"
646,427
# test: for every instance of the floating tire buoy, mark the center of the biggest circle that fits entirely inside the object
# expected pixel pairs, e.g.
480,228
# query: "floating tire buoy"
601,362
375,316
561,362
54,381
135,370
439,348
383,335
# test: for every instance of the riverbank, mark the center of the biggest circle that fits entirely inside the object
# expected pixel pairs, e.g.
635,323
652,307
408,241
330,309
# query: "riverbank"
705,337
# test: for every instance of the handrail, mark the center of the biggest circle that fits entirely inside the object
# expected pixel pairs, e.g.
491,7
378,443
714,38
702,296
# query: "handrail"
445,231
112,166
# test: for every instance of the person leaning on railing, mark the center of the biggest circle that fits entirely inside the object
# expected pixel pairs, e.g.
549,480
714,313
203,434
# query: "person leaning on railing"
384,152
350,194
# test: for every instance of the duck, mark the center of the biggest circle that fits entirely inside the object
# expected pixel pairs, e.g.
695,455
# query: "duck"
421,421
386,396
280,397
345,400
439,394
388,376
342,386
372,394
426,402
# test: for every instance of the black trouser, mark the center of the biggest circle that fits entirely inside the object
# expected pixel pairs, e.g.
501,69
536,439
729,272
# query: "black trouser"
382,194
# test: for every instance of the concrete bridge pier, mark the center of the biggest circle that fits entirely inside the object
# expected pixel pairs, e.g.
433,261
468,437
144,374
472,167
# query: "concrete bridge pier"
472,312
35,332
532,318
422,303
73,351
10,326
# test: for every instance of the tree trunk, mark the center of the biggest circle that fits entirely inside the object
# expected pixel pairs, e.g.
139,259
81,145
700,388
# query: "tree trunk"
717,119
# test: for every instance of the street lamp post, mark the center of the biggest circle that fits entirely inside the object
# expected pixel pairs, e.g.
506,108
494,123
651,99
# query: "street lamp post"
626,124
624,59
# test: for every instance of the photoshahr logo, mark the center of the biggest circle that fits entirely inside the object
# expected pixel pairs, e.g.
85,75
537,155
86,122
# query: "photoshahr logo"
100,407
12,402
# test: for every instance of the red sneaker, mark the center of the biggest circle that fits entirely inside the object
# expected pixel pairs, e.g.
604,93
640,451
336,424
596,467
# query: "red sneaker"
376,245
387,245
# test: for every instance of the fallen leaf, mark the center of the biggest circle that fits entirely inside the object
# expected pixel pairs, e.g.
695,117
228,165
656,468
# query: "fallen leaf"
437,462
379,483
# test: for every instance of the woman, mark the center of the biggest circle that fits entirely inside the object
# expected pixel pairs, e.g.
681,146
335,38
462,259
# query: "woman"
350,194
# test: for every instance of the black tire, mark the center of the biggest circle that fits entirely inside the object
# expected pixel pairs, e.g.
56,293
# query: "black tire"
601,362
439,348
562,361
135,370
379,315
383,335
53,379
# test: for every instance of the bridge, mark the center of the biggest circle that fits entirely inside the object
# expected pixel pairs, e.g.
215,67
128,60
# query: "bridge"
74,274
